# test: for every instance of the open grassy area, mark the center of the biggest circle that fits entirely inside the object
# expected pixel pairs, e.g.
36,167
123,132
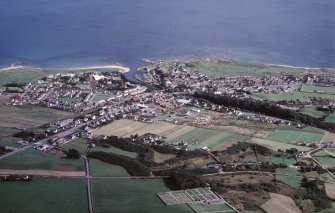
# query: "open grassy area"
22,75
318,89
302,96
9,141
294,136
44,195
70,100
275,145
34,159
326,161
98,98
27,116
135,195
293,181
284,160
199,208
7,131
160,157
115,150
330,118
312,111
280,203
99,168
79,144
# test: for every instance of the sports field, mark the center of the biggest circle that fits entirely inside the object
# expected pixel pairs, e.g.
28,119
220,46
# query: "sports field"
33,159
294,136
99,168
131,195
44,195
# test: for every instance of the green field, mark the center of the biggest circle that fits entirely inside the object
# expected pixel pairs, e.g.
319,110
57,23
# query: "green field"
99,168
131,195
80,144
275,145
7,131
302,96
9,141
98,98
70,100
44,195
279,160
34,159
294,136
313,112
27,116
160,157
318,89
331,118
326,161
293,181
115,150
198,138
199,208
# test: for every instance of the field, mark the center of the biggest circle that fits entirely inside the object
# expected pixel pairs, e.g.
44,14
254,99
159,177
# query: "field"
70,100
99,168
293,181
44,195
115,150
326,161
131,195
330,190
200,208
294,136
32,159
279,204
195,137
284,160
275,145
80,144
7,131
302,96
98,98
160,157
331,118
312,111
27,116
318,89
9,141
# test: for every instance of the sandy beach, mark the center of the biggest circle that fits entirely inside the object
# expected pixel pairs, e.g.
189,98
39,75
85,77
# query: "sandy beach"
121,68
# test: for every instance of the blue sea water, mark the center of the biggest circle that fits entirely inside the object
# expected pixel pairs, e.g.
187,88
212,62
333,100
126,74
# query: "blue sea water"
63,33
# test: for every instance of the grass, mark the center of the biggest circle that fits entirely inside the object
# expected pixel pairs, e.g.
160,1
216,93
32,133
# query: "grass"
99,168
302,96
9,141
326,161
160,157
115,150
7,131
44,195
23,75
98,98
331,118
131,195
34,159
275,145
70,100
284,160
212,208
294,136
313,112
79,144
293,181
318,89
27,116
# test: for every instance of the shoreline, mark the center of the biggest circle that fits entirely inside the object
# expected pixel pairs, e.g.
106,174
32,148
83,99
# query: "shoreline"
121,68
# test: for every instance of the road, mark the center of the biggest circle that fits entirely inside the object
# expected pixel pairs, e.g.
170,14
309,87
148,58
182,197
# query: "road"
89,185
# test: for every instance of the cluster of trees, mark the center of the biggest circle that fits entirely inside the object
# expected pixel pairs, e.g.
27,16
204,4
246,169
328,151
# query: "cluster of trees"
186,180
133,166
28,135
264,107
73,154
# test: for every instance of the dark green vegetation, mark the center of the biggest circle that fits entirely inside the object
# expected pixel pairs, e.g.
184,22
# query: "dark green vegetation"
122,195
34,159
44,195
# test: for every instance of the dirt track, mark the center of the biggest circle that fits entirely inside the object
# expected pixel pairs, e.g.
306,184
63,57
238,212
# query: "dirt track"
50,173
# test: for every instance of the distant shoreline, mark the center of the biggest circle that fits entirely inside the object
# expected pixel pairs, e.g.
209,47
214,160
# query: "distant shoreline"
121,68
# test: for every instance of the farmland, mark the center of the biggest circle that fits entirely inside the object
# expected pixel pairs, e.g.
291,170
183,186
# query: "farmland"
330,190
79,144
331,118
99,168
115,150
280,203
293,181
294,136
34,159
212,208
302,96
44,195
9,141
135,195
27,116
274,145
312,111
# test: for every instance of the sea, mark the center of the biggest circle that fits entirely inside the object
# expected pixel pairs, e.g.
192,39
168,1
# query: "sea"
70,33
